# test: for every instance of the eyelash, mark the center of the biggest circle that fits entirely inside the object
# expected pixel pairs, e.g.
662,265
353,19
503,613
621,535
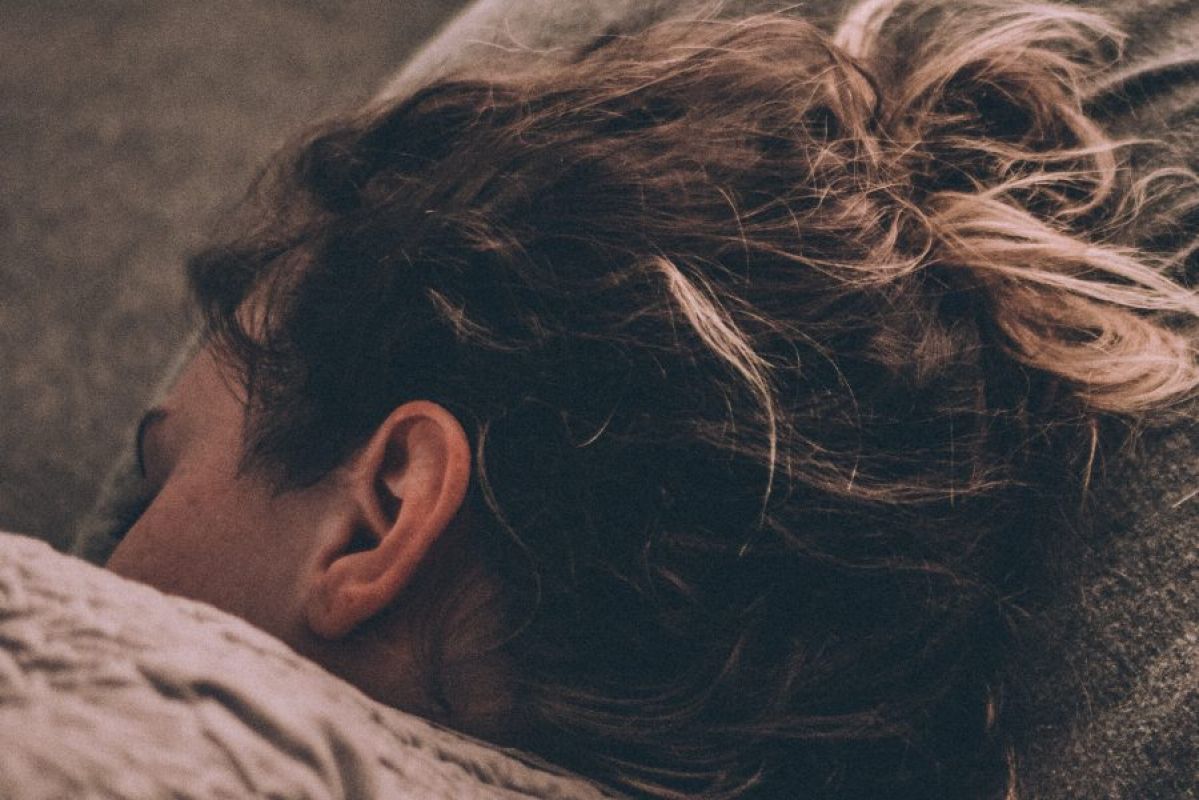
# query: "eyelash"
139,438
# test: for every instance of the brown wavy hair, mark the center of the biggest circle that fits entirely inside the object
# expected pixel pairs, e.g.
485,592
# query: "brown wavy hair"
782,353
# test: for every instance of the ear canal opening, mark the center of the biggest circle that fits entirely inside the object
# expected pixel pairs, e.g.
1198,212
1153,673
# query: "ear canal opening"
361,542
389,504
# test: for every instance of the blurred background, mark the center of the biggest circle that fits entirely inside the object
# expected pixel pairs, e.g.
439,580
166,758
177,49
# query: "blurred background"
125,127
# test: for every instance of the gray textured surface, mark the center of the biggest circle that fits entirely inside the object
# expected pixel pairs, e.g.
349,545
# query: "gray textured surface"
1112,669
124,126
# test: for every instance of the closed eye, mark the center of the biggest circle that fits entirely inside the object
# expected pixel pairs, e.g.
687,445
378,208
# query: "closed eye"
130,510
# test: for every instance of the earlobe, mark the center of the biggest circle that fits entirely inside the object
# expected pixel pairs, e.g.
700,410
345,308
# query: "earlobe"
409,483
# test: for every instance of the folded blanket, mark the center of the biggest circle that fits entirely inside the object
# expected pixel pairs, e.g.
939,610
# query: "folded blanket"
112,689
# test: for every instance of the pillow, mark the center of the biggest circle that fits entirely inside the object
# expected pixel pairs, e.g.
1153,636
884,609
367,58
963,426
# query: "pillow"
109,688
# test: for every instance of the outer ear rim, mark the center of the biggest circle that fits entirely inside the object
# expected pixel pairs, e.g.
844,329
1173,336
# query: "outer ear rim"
354,587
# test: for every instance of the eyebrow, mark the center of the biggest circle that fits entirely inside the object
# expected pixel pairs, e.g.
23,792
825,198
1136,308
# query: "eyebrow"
148,419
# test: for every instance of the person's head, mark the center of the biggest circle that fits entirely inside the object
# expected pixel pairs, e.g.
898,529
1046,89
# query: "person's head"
680,411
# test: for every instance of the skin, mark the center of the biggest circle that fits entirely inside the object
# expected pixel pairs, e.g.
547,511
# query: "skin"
211,534
344,571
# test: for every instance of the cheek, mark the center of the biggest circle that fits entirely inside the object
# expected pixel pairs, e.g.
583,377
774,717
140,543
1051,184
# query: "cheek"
182,545
218,542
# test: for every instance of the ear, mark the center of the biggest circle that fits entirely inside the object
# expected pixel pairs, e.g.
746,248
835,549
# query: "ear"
408,485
